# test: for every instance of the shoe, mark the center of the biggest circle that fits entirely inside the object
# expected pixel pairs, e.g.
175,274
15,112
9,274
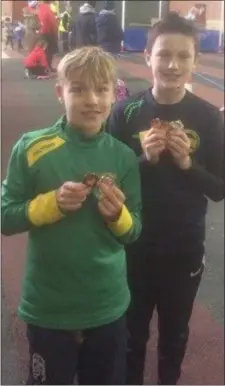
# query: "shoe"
41,77
26,74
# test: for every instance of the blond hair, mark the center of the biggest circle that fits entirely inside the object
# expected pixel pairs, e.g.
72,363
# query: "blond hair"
94,64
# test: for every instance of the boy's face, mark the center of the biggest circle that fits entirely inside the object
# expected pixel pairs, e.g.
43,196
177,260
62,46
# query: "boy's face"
87,106
172,61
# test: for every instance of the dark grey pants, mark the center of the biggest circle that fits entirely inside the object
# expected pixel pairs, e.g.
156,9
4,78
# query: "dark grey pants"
169,282
95,356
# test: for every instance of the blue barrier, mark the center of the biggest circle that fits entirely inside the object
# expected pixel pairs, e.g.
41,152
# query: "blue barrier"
135,39
209,41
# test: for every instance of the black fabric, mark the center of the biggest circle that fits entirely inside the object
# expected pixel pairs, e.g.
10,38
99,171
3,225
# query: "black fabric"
85,29
109,32
168,282
52,47
165,264
9,41
96,356
64,41
36,71
174,201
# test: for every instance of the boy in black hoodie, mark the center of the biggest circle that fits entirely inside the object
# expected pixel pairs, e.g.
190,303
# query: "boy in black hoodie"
179,138
85,27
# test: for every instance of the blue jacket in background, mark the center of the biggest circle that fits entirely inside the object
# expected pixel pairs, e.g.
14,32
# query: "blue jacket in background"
109,31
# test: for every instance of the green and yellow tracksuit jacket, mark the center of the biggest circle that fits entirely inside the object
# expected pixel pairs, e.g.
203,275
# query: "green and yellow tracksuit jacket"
75,274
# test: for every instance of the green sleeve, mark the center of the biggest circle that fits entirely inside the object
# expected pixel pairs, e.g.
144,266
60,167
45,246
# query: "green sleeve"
16,193
131,187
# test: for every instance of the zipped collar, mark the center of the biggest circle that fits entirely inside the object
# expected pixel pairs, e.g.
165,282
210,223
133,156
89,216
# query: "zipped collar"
75,135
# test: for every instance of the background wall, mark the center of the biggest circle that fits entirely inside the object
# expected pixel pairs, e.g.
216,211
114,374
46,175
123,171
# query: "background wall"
138,13
213,11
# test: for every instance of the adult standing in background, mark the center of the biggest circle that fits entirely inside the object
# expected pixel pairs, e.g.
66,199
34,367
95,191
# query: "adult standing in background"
32,25
49,30
85,29
54,6
109,31
65,28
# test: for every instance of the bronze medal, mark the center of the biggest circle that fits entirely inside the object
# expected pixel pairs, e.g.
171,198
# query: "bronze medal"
90,180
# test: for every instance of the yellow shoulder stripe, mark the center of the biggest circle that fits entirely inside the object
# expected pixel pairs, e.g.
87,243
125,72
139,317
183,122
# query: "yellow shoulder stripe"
123,224
41,148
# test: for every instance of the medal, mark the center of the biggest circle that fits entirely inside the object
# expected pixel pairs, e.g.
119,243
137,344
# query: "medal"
178,125
156,123
90,180
107,179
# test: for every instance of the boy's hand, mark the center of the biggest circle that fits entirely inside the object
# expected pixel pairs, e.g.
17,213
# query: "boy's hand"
71,195
179,146
111,201
153,144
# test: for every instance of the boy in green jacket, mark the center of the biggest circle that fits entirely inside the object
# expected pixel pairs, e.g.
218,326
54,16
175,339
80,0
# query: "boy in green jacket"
76,190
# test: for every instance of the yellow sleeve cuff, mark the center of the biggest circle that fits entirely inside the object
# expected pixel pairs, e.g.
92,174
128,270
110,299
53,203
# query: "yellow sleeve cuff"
44,209
123,224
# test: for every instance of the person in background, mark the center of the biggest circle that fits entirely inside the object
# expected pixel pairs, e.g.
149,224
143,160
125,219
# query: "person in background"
65,26
36,63
109,30
48,30
32,25
179,138
8,33
54,6
122,91
72,35
19,33
85,27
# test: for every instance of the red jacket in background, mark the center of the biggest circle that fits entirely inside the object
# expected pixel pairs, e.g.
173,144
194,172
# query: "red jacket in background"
47,20
37,57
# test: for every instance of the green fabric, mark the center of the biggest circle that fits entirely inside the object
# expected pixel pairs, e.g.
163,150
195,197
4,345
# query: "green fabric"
76,269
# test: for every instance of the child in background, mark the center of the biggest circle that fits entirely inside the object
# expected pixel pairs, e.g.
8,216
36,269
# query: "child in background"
19,33
8,33
122,91
36,64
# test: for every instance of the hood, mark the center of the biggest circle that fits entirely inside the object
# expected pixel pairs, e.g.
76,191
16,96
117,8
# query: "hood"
106,12
87,8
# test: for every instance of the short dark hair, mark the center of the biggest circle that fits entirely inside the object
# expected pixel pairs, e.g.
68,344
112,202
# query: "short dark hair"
172,23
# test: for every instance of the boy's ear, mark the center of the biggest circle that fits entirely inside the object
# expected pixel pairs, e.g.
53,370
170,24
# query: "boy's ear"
147,58
59,92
